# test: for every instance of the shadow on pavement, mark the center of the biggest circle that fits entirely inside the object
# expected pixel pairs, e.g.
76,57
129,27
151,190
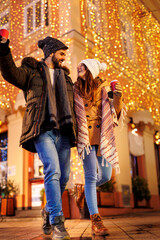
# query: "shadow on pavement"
43,237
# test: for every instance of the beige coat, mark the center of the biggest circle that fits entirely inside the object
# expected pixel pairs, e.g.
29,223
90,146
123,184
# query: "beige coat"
94,114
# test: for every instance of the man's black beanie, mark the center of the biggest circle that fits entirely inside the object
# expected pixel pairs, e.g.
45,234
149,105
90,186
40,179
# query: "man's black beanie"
50,45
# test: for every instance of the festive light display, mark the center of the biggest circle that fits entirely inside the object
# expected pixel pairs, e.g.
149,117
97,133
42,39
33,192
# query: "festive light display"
138,72
124,35
76,174
157,138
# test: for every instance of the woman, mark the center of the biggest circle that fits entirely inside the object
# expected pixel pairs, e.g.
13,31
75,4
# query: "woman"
97,111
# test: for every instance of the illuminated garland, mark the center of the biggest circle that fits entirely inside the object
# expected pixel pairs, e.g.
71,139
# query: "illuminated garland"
140,82
140,87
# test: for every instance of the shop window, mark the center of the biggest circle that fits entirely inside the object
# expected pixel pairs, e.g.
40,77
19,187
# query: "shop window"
3,147
3,156
4,19
134,166
36,16
38,167
36,194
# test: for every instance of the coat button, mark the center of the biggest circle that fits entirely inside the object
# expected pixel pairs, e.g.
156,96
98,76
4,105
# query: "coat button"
86,105
90,127
98,126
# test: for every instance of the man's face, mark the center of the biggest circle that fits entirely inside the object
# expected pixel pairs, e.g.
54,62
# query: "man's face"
58,58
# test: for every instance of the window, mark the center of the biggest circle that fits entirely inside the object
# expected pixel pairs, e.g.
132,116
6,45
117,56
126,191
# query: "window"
36,16
127,39
38,166
3,147
134,166
3,156
4,19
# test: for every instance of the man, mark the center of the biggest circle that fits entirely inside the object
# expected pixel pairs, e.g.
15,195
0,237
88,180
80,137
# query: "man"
49,122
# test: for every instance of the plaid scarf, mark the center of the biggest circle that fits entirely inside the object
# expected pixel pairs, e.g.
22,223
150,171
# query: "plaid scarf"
107,139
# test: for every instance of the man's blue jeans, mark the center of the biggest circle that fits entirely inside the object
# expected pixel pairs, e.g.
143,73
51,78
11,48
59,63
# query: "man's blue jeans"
95,175
54,151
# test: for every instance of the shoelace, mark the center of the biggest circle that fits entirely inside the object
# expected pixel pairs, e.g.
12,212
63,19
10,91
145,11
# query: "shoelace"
61,227
98,222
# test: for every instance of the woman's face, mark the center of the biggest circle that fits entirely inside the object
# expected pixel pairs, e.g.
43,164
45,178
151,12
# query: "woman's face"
81,71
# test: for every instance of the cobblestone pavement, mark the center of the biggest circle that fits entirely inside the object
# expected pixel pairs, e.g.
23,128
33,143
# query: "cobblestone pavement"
137,226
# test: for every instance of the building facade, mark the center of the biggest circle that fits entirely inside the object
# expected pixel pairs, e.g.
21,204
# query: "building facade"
123,34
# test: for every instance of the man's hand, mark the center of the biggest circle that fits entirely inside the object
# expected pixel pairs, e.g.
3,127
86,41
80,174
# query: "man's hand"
4,47
2,39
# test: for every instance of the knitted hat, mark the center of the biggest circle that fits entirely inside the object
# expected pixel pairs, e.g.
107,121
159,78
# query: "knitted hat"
50,45
94,66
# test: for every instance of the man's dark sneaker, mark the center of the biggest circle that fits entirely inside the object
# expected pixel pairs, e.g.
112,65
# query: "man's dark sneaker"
46,227
59,231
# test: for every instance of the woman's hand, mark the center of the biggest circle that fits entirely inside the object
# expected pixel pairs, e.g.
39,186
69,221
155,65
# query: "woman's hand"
118,89
117,98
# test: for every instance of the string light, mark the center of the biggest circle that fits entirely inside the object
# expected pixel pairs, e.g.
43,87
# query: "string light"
137,69
23,44
157,138
77,174
124,34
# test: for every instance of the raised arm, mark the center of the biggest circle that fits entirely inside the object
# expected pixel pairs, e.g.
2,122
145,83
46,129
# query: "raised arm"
18,76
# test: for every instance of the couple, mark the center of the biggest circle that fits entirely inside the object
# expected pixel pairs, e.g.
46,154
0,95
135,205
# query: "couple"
59,116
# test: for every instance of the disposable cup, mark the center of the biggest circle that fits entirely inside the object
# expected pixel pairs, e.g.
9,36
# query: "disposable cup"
4,33
113,83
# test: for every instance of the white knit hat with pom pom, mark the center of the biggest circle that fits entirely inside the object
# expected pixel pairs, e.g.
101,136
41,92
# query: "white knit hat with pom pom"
94,66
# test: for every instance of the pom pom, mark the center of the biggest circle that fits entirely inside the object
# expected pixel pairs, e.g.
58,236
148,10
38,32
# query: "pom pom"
103,67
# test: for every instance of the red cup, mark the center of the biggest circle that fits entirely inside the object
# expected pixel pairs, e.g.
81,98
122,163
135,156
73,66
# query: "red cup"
4,33
113,83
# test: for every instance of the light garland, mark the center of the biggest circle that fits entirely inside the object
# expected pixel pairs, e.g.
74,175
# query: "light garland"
140,85
140,82
77,174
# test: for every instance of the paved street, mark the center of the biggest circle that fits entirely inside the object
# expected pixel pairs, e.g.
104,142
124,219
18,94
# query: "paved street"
137,226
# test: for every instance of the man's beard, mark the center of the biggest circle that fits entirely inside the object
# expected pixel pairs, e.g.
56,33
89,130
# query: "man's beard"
56,62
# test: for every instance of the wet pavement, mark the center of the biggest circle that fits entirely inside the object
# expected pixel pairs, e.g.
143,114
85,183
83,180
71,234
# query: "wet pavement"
137,226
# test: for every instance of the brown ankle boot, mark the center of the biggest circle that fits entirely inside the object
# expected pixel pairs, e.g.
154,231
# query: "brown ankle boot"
97,225
79,195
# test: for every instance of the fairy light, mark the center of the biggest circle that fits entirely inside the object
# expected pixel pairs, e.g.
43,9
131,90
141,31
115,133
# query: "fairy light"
137,69
84,28
22,45
65,26
107,26
157,138
77,174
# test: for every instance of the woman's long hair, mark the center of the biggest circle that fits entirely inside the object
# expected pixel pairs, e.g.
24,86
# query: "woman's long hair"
87,87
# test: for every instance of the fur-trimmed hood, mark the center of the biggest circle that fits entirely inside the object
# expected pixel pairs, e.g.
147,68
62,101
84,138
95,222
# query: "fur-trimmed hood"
32,62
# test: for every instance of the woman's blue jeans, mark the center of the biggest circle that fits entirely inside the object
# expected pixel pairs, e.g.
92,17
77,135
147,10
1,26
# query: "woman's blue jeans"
95,175
54,151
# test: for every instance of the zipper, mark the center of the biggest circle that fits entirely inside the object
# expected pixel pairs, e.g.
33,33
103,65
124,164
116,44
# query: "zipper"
40,106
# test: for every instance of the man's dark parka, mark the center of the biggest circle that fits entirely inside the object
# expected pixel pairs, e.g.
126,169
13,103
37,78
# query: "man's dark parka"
31,78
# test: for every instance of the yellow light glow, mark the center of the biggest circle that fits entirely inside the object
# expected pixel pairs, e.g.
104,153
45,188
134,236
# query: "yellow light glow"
138,67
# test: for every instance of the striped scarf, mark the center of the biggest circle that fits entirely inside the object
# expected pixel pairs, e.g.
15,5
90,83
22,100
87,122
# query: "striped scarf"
107,140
